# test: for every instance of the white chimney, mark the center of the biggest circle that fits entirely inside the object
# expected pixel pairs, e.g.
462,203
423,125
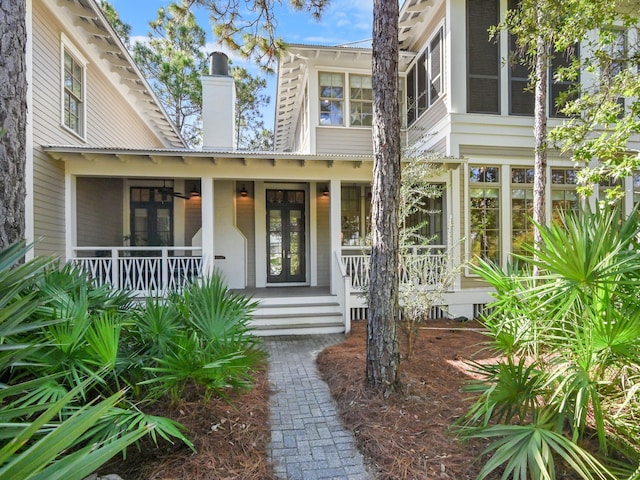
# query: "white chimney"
218,105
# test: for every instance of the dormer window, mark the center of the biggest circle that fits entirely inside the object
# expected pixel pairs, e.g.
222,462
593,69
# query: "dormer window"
331,98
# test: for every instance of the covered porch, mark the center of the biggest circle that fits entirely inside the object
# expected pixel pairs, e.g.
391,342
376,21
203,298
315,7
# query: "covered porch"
289,231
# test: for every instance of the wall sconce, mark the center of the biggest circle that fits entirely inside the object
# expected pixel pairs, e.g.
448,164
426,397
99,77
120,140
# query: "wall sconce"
194,193
243,192
325,192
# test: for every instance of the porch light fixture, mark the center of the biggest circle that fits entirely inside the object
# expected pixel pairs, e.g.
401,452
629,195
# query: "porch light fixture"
325,192
243,192
194,193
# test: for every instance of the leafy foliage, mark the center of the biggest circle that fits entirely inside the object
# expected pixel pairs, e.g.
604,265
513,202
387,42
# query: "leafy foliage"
571,345
605,116
67,344
207,340
250,99
426,274
173,60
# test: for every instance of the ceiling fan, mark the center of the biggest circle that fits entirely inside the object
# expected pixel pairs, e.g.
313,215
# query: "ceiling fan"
165,192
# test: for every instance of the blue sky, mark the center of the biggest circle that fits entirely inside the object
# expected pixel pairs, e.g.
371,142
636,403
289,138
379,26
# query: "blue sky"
342,22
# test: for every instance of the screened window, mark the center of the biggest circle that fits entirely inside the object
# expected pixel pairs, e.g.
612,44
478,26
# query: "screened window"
360,100
73,94
424,80
484,213
561,91
483,57
435,68
331,98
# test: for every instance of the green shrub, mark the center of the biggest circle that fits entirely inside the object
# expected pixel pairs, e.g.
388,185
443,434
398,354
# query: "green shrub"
571,344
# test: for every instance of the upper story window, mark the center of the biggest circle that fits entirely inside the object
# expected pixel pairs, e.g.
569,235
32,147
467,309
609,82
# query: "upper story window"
357,102
424,80
331,98
483,57
360,100
73,95
521,95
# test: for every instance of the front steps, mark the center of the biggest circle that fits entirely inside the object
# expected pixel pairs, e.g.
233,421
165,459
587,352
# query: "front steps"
299,315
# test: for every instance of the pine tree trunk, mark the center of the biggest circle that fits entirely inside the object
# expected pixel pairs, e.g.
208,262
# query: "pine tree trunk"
382,334
540,138
13,120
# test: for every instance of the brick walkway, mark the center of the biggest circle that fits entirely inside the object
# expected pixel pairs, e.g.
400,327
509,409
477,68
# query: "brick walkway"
308,441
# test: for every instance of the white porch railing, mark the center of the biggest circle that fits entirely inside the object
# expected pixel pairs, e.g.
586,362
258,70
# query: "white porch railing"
145,271
430,261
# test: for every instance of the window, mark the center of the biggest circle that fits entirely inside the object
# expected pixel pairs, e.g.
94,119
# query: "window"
636,188
360,100
435,68
151,216
483,57
424,80
521,208
484,213
559,89
331,98
521,95
614,60
73,94
564,196
355,211
428,222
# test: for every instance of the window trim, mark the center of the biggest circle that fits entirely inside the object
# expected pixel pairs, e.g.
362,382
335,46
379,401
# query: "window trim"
67,47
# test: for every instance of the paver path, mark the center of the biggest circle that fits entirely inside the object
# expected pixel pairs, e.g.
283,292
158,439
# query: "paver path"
308,441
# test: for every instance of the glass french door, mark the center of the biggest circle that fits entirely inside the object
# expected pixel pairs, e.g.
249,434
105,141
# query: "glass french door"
285,236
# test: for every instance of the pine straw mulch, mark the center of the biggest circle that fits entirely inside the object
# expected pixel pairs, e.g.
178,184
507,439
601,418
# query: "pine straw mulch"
406,436
230,437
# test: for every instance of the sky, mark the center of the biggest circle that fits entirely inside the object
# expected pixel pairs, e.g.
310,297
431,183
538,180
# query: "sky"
343,21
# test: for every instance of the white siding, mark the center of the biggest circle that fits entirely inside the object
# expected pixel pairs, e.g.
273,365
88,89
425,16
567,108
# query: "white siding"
342,140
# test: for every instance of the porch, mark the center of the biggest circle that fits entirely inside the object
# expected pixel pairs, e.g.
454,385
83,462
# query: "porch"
155,271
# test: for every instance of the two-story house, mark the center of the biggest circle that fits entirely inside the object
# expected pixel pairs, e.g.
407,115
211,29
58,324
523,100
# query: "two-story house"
114,189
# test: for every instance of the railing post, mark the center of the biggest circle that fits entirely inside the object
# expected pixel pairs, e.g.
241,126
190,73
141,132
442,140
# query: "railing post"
115,269
165,269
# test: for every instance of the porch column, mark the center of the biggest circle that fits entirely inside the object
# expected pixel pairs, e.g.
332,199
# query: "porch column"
335,227
70,209
208,247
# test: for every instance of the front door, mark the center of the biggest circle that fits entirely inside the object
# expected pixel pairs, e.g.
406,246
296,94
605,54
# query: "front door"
285,236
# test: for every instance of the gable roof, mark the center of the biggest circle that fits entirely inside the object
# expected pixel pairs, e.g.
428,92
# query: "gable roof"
112,56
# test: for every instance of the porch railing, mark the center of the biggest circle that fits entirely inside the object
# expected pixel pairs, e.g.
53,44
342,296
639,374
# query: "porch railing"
145,271
428,264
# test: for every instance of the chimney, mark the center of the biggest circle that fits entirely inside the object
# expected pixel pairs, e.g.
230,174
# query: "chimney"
218,105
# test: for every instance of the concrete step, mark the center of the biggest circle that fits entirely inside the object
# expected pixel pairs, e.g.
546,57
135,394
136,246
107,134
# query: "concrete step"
298,316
